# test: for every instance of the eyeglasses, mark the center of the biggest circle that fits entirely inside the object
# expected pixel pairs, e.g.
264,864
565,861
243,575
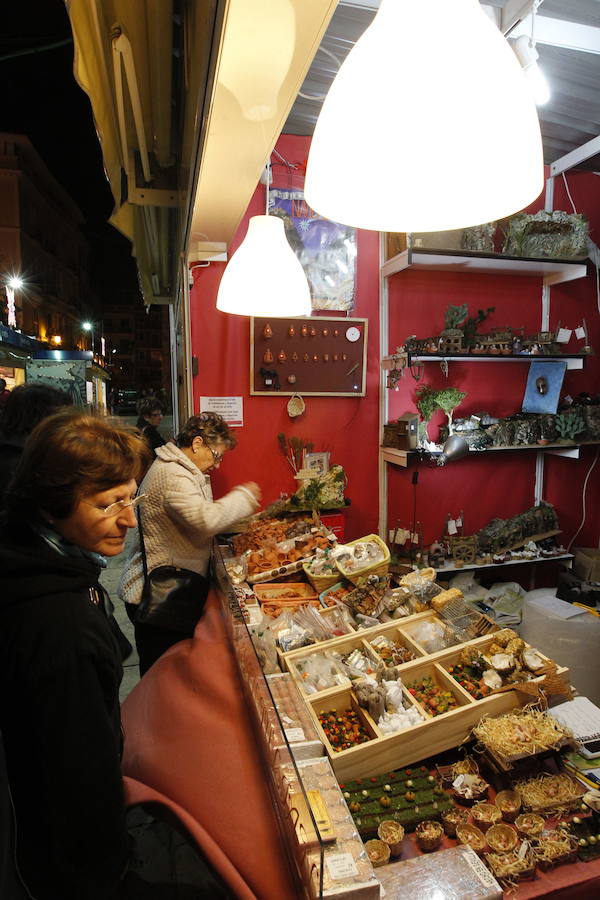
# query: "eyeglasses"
118,507
217,457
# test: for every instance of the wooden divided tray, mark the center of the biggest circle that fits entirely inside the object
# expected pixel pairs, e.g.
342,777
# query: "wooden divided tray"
381,753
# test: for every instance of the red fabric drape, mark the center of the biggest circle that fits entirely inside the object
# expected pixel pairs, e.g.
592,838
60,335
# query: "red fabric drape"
188,736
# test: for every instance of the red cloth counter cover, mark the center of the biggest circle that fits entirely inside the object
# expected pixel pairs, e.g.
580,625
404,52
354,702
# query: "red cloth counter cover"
188,737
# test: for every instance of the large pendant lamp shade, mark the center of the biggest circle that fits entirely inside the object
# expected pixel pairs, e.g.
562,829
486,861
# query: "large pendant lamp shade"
428,126
264,277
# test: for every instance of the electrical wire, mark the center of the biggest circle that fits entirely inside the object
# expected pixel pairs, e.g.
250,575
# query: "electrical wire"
31,50
321,96
568,192
564,177
585,483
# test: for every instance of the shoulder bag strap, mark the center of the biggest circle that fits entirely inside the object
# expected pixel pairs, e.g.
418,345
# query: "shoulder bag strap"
142,545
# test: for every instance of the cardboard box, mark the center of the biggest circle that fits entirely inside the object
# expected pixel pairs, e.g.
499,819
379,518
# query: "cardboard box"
586,564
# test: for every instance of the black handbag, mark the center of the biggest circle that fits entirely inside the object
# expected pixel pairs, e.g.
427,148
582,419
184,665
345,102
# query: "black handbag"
172,597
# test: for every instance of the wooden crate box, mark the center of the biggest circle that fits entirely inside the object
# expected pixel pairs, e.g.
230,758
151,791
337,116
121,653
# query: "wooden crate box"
382,753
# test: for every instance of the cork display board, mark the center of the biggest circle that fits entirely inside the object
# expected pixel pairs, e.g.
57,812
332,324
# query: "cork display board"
318,356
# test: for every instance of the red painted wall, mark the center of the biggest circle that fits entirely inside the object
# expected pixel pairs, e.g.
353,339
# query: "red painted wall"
345,426
498,485
348,427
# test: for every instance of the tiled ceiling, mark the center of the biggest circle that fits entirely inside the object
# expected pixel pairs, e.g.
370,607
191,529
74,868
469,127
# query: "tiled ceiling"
568,120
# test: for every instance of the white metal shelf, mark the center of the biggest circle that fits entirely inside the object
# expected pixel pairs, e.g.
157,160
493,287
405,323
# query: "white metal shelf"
552,271
573,361
513,562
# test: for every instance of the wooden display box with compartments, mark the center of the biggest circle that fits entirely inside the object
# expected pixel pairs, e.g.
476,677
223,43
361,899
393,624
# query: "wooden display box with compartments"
383,752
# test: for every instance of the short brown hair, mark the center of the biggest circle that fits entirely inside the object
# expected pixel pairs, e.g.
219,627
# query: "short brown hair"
210,426
71,454
149,405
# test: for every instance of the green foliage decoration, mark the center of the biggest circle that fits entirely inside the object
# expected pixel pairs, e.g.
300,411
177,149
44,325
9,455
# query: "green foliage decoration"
569,424
455,315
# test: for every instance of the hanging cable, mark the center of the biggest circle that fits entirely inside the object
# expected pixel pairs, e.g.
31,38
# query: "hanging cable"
585,483
321,96
42,49
569,192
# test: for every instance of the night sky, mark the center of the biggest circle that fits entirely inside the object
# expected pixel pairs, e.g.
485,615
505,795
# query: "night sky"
40,98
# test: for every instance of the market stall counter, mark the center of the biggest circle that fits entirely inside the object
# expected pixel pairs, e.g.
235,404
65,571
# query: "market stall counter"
205,736
189,738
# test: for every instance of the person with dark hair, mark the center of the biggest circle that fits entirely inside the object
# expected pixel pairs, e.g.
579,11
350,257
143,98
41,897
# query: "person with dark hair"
27,405
179,520
69,506
150,413
4,393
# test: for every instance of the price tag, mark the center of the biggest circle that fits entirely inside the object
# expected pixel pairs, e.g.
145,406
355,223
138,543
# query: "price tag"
415,538
391,536
452,529
459,522
341,866
294,735
580,332
523,849
564,335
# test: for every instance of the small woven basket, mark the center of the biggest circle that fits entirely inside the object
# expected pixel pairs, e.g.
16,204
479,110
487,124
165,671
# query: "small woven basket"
429,835
379,568
509,803
296,406
453,818
392,834
485,814
321,582
472,836
501,838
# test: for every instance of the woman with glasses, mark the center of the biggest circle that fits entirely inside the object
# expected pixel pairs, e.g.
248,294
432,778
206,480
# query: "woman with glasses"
150,416
178,519
68,507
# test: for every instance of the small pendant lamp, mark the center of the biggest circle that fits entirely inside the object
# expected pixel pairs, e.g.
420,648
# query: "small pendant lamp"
264,276
428,125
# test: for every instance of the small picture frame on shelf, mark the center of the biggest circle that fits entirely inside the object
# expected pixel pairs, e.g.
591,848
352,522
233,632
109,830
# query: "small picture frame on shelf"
316,463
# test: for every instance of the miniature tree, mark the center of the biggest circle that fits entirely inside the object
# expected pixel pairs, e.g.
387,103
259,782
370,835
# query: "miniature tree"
469,326
429,400
426,405
455,315
447,400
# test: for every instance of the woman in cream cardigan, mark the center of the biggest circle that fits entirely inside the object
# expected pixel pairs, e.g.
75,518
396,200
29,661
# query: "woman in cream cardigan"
179,519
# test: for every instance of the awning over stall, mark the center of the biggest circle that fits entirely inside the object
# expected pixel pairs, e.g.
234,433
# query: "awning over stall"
188,99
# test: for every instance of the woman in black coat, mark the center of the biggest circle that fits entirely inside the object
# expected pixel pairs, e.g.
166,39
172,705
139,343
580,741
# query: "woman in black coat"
69,507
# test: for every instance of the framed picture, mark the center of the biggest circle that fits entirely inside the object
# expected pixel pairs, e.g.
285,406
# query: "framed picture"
316,463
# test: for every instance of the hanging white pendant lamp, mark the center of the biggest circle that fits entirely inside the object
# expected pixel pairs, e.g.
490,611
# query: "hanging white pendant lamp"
264,276
428,125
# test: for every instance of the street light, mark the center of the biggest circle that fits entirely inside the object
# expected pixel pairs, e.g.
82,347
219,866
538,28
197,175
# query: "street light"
13,284
89,326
